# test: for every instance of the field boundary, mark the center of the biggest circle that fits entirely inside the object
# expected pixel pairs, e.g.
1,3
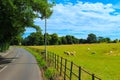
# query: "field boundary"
66,68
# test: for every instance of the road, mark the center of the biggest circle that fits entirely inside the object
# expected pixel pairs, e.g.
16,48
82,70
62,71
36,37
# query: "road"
19,64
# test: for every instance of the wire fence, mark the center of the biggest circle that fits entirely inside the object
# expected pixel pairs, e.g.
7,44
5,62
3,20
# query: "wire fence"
66,68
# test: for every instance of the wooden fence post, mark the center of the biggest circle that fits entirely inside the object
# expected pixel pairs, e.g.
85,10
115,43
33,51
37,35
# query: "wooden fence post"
79,76
48,60
61,66
65,69
93,77
71,68
55,60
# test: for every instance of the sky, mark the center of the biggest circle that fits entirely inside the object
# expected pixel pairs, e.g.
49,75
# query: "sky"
82,17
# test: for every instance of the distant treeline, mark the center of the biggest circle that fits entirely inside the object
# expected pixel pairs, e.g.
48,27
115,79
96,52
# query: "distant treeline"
37,38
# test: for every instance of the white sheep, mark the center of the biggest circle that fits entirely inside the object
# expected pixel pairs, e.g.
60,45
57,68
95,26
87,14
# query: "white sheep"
111,52
88,49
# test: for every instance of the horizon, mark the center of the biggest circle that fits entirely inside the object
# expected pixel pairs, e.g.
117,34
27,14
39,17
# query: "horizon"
80,18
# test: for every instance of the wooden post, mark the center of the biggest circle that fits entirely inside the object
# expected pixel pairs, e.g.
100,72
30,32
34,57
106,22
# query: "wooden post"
55,60
79,78
65,69
50,58
71,68
93,77
61,67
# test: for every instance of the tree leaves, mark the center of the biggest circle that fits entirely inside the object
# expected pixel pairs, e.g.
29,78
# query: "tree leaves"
15,15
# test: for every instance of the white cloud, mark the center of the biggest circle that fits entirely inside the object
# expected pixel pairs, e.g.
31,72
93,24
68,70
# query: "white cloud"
83,17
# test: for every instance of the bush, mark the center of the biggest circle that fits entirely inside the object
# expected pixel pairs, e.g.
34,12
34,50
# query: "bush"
50,73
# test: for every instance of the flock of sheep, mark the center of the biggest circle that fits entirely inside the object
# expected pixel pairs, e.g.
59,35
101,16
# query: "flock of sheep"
110,52
70,53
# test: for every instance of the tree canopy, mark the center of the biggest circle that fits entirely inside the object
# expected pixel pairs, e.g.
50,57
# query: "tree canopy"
91,38
15,15
37,38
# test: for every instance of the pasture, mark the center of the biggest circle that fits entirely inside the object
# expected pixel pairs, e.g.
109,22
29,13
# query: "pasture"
101,59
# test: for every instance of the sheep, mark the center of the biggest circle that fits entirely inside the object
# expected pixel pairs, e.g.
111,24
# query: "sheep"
73,53
93,52
110,52
88,49
67,52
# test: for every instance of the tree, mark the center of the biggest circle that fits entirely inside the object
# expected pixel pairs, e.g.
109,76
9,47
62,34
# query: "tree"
91,38
17,40
75,40
15,15
48,37
69,39
115,41
54,39
82,41
107,40
34,39
100,39
63,40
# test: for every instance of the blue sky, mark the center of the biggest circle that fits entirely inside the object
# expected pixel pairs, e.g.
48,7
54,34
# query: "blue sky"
81,17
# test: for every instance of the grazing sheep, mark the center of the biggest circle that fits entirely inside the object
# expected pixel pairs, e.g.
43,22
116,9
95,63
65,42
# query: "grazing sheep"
67,52
88,49
110,52
73,53
93,52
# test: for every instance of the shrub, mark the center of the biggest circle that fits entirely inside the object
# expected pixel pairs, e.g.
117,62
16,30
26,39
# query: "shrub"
50,73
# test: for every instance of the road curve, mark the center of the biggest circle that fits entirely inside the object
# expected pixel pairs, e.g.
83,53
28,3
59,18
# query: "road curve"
22,66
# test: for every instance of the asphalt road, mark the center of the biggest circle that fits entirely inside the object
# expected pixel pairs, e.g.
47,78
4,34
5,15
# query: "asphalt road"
19,64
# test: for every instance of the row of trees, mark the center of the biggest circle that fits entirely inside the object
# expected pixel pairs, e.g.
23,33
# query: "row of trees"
52,39
37,38
16,15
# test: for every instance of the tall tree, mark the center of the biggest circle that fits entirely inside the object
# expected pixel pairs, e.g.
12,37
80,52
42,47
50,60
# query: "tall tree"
82,41
69,39
63,40
107,40
17,40
15,15
91,38
54,39
100,39
35,38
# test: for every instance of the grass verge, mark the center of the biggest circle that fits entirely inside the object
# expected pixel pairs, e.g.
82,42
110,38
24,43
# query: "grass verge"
48,73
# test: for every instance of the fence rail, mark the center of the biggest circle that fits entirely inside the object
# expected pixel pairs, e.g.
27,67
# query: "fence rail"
67,69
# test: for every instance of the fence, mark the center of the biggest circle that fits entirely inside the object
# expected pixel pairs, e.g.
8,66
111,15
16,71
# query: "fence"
67,69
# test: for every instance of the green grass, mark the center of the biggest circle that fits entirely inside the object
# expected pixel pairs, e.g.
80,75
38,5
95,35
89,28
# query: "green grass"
103,64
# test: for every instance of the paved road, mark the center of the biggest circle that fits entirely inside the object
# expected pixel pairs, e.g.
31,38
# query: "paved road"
20,65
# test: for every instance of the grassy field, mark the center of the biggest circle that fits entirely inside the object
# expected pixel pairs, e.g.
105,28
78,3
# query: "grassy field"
101,59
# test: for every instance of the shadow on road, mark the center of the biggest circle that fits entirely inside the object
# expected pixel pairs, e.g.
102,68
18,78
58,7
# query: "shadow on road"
4,60
9,60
